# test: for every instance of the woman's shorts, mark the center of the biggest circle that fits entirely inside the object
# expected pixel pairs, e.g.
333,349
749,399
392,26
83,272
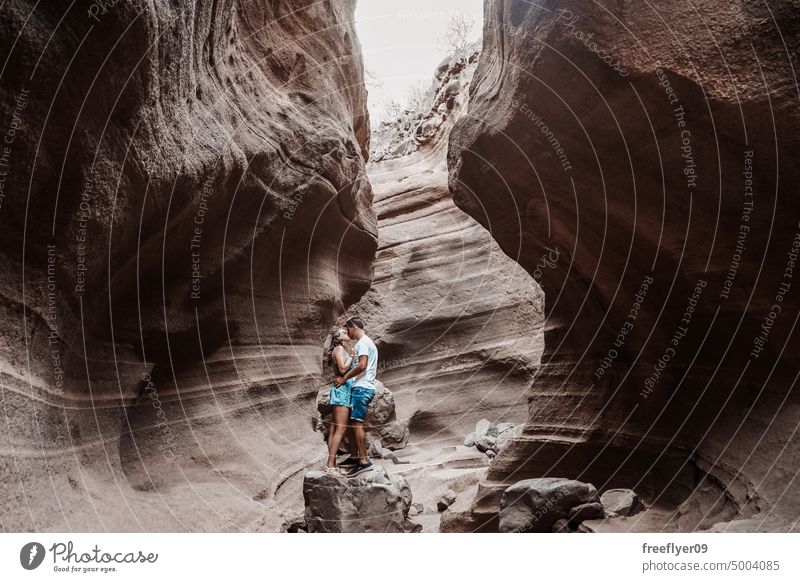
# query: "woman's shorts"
340,395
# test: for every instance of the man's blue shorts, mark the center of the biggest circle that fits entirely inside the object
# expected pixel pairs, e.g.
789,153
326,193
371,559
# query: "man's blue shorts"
360,397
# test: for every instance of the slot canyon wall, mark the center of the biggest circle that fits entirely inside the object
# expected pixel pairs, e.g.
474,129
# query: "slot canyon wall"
654,145
185,212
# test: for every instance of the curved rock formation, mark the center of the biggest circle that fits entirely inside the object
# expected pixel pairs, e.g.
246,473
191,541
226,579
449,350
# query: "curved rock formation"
184,212
653,147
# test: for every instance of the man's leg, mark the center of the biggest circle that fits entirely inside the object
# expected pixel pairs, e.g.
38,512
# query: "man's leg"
352,446
360,398
361,441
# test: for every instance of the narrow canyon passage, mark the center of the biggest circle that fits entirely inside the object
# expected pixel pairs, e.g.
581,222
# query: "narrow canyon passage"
458,324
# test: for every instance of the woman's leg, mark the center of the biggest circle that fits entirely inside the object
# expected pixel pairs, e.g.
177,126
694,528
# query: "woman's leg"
341,418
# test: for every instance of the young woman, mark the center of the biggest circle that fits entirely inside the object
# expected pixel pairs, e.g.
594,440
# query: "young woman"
341,361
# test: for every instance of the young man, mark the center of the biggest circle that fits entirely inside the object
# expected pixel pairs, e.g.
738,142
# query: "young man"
362,391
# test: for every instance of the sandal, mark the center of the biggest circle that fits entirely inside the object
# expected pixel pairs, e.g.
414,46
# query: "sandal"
335,471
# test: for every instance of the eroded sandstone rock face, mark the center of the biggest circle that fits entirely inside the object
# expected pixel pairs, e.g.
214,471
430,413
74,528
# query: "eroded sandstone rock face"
654,153
185,211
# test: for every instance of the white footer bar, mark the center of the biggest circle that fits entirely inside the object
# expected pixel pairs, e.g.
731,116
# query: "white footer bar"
400,557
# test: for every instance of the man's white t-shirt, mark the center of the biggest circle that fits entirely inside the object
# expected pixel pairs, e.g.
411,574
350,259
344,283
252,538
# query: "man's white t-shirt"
366,347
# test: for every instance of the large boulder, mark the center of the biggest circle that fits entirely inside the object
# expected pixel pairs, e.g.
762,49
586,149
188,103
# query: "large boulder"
586,511
535,505
372,502
505,435
383,429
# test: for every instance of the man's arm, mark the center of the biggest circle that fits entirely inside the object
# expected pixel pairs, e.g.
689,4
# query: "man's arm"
355,371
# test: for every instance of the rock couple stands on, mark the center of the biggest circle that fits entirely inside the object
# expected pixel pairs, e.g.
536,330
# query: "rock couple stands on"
371,502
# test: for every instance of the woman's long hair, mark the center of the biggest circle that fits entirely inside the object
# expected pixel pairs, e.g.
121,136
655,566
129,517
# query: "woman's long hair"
335,341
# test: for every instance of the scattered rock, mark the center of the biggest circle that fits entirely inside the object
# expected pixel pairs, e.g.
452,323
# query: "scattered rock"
372,502
490,438
505,436
430,127
580,513
452,88
561,526
446,500
486,442
388,455
443,67
622,502
535,505
375,450
294,524
481,427
416,509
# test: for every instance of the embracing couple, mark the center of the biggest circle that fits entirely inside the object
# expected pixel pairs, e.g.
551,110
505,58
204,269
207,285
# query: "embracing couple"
352,391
